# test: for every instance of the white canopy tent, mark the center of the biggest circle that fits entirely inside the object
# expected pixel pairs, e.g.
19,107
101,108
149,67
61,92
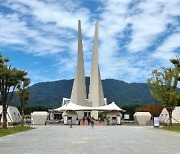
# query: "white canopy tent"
112,109
164,116
74,107
13,115
109,107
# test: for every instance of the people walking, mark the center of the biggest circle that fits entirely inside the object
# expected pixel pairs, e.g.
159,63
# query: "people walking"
92,122
89,120
71,124
84,120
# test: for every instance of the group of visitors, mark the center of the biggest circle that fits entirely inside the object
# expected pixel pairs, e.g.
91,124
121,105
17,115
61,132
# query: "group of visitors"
89,119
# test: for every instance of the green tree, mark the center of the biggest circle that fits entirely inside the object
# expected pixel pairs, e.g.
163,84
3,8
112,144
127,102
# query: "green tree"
131,109
29,109
23,94
176,63
9,79
164,88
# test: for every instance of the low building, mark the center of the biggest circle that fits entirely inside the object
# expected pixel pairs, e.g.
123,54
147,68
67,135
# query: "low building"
39,117
70,117
114,117
142,118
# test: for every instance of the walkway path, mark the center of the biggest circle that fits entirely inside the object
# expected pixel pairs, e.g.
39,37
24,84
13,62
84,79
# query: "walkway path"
84,139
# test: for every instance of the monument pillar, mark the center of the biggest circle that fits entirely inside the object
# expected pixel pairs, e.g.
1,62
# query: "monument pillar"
78,94
96,95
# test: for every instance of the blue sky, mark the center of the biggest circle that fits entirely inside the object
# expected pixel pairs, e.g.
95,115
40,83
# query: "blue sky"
135,36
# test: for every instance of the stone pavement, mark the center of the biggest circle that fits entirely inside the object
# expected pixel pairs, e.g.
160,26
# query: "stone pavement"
99,140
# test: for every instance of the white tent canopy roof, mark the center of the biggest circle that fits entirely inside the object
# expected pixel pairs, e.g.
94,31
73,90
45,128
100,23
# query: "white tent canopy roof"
75,107
109,107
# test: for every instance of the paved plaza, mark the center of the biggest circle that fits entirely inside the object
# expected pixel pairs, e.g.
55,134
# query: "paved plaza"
84,139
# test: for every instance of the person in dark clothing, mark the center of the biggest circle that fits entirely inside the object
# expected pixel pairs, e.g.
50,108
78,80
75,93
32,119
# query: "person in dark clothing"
92,122
71,124
84,120
89,120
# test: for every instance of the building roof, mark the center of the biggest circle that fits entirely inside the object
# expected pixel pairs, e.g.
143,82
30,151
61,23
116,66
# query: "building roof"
39,113
109,107
75,107
142,114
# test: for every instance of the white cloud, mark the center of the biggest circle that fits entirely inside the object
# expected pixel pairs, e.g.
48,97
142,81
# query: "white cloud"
51,12
47,26
146,28
11,28
151,21
166,50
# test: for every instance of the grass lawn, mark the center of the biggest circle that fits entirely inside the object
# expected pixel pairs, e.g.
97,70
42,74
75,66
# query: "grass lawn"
172,128
13,130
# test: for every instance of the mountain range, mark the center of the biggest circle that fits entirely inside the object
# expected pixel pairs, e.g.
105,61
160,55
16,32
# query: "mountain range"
50,94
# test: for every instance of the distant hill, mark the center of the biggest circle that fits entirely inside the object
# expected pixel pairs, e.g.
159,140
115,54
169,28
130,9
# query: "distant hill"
50,94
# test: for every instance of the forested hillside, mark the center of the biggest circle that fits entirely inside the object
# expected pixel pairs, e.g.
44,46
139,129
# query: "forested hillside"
50,94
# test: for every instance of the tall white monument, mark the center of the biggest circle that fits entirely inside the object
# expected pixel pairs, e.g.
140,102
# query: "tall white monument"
96,95
78,94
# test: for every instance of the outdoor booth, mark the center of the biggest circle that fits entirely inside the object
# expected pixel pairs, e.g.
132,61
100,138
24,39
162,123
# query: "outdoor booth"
39,117
70,116
114,117
70,112
142,118
13,115
164,116
113,113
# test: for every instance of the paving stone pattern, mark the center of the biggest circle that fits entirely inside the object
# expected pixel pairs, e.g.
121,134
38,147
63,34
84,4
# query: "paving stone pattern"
86,140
